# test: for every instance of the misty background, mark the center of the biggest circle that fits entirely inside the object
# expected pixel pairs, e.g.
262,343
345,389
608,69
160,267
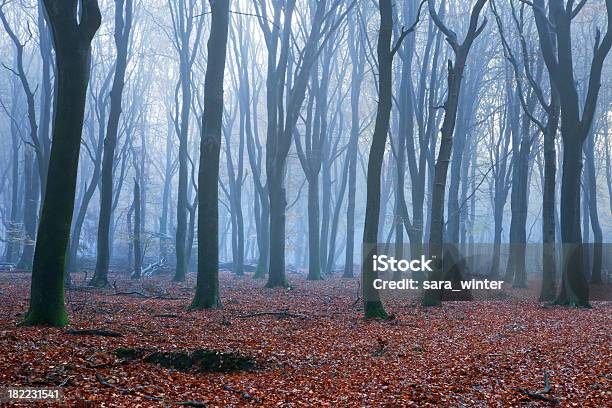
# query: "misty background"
496,174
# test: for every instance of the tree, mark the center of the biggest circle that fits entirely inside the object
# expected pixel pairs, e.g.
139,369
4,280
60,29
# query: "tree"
357,54
32,183
500,168
549,131
136,238
123,26
11,251
100,105
207,286
254,148
576,122
183,18
372,304
72,36
455,76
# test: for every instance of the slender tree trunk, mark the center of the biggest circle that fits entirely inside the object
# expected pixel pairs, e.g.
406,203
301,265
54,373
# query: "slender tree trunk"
455,75
193,208
207,286
372,304
87,196
333,234
608,161
45,47
12,246
436,234
136,239
549,268
314,261
280,133
518,240
130,230
591,186
165,210
123,24
278,205
182,202
574,287
30,212
357,69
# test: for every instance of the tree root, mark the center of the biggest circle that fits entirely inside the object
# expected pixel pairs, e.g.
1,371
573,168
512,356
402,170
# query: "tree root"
537,395
123,390
191,404
243,394
540,395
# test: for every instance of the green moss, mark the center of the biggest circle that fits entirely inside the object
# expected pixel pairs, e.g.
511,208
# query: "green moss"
260,272
573,303
46,317
375,309
277,283
200,304
431,298
202,360
129,353
315,276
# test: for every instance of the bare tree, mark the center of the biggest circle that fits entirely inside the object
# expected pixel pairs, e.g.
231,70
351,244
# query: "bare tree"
455,76
372,304
576,122
72,38
207,287
123,26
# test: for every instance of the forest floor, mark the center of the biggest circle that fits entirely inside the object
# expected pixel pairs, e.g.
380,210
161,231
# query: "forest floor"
314,349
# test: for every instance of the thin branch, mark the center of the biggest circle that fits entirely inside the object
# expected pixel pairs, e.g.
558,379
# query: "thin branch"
405,32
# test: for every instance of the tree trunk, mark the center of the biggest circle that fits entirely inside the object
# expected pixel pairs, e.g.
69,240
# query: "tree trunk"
12,246
591,187
30,206
549,269
165,210
136,239
574,287
372,304
207,286
314,261
72,42
455,76
574,130
357,65
123,26
278,205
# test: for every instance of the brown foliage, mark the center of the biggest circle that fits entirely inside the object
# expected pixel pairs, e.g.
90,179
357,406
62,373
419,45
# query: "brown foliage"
312,347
